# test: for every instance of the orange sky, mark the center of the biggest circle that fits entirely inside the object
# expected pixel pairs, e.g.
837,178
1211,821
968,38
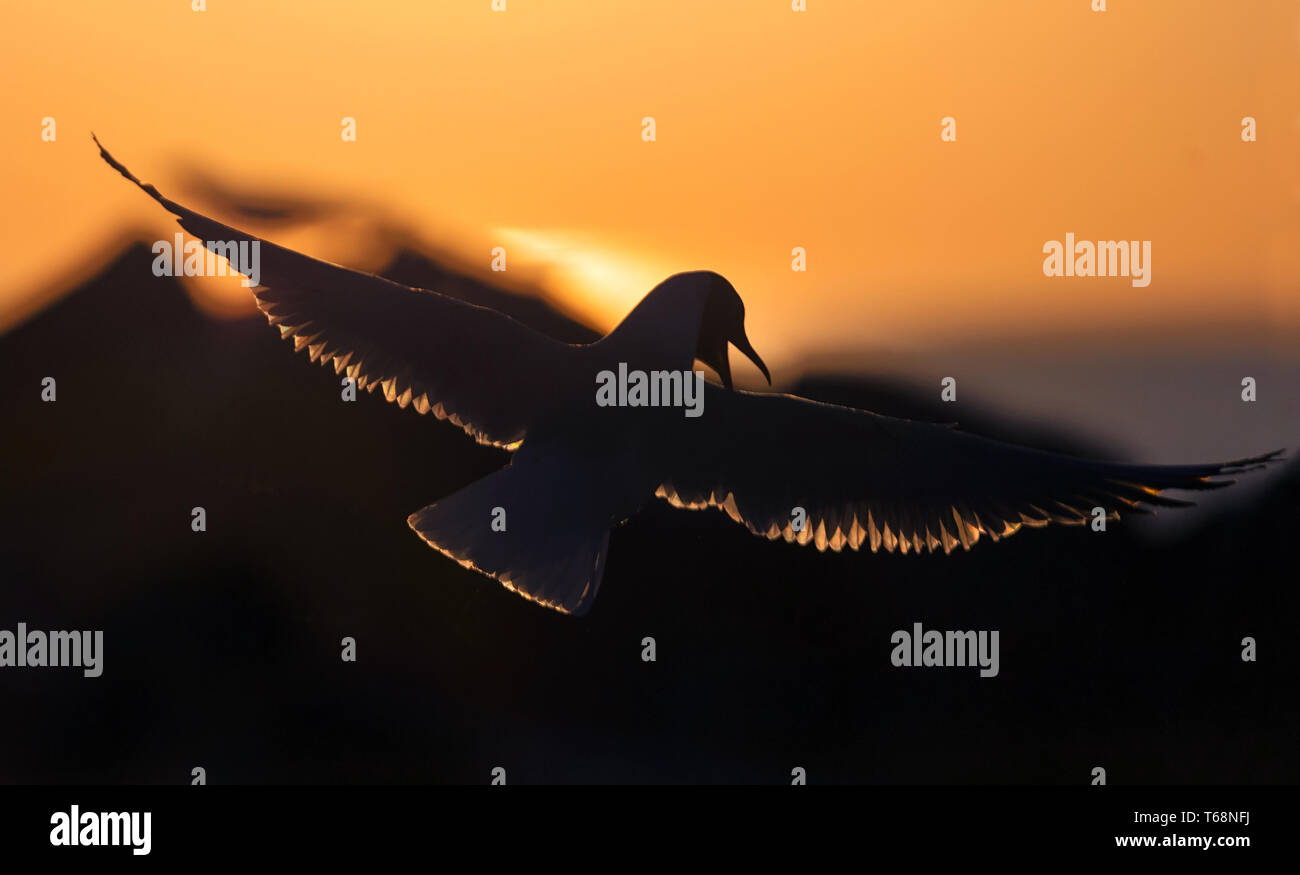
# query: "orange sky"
775,129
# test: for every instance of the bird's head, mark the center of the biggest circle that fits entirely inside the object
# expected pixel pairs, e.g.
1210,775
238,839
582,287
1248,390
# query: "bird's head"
723,323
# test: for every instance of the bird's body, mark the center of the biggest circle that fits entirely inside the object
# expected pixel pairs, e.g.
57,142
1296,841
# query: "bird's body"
783,466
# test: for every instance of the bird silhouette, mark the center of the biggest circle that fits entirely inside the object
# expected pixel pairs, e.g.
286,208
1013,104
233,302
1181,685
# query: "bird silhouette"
782,466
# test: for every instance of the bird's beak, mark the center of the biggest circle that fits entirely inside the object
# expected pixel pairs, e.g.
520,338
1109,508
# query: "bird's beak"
747,348
723,367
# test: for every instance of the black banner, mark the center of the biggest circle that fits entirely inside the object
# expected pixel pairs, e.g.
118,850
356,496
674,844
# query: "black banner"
188,823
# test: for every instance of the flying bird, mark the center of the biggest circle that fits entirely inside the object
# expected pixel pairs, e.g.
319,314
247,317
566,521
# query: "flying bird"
541,525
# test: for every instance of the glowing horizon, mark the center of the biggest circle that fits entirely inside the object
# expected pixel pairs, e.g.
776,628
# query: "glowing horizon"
774,130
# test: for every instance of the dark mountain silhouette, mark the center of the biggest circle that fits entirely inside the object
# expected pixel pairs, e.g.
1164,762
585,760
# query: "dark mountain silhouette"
421,271
222,648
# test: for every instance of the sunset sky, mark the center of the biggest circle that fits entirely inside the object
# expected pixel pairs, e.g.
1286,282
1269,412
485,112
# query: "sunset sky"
775,129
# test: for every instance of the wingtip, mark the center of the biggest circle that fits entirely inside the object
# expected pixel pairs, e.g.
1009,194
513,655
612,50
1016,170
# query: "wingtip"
103,153
131,177
1252,463
1234,469
113,162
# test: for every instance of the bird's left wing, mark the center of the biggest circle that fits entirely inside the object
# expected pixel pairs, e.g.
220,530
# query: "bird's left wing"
477,367
862,478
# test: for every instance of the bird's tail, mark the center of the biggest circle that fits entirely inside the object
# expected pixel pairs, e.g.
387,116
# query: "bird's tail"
530,527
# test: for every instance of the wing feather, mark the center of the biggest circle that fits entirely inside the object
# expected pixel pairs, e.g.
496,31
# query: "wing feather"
897,484
474,366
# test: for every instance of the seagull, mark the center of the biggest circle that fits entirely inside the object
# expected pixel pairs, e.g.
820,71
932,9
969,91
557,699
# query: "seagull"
782,466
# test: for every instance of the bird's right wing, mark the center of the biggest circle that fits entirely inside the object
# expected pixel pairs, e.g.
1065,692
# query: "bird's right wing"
475,366
895,483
